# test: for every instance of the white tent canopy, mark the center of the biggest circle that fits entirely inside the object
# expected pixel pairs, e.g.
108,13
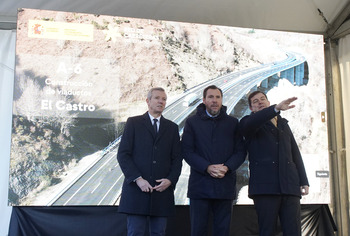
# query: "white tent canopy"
330,18
306,16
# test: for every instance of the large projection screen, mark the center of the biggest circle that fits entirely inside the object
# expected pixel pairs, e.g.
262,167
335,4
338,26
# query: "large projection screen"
80,76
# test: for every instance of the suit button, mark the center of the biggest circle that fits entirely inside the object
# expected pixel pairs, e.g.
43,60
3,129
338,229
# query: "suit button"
154,162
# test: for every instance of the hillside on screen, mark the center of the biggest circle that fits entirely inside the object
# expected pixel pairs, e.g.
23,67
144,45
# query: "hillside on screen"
80,76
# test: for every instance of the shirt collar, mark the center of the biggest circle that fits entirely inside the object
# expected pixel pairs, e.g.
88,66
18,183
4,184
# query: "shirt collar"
210,115
151,118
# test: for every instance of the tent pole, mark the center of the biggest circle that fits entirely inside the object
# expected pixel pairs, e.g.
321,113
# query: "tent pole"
337,157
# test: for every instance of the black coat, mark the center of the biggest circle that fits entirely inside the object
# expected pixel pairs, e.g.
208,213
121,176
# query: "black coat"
209,141
143,153
275,162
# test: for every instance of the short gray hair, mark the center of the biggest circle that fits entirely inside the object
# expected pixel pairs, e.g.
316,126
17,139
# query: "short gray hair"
149,95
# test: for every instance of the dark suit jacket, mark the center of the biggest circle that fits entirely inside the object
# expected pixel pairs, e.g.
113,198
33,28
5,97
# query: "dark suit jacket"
143,153
275,162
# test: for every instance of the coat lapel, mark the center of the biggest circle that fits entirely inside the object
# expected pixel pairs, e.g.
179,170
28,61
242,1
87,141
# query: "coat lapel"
148,124
162,127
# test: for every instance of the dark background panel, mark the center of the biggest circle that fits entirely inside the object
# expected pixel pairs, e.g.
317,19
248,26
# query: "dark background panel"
106,221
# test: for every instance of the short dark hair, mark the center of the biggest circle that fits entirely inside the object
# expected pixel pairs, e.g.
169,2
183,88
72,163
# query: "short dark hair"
211,87
252,95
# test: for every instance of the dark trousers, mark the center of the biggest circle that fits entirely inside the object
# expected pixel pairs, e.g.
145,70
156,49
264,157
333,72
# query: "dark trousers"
136,225
270,207
200,209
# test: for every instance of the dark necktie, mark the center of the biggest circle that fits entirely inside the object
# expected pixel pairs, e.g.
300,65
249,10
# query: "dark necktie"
155,126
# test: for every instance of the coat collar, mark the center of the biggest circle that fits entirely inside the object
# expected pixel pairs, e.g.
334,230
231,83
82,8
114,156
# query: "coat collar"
281,122
148,124
201,112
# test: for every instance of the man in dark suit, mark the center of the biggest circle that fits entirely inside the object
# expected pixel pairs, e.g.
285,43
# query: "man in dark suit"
150,158
277,173
214,149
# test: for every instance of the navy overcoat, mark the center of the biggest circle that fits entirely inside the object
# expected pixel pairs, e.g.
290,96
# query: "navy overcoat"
208,141
275,162
143,153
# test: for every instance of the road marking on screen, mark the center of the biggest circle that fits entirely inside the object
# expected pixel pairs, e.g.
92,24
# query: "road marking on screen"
100,168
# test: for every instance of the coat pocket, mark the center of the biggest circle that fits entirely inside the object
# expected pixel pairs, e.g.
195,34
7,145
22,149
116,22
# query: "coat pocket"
292,173
264,172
